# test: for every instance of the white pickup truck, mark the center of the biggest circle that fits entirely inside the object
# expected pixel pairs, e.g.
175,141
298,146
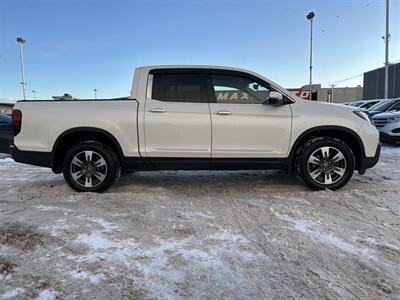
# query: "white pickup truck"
194,118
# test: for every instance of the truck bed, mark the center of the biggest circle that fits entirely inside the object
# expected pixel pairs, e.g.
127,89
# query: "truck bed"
44,121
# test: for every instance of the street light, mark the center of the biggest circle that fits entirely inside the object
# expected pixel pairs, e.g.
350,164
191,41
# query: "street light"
387,40
95,93
20,42
333,88
310,17
34,94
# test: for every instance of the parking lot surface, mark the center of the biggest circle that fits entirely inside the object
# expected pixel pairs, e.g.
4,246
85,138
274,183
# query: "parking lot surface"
177,235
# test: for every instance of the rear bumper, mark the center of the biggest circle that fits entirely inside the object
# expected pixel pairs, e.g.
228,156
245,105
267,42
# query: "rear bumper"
41,159
369,162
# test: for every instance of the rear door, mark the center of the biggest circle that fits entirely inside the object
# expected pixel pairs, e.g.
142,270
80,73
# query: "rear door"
244,125
177,116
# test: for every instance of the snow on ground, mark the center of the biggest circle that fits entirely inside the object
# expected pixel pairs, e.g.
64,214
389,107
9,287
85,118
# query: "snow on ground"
178,235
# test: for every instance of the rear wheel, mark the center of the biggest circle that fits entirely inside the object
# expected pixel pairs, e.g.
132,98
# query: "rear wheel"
325,163
91,167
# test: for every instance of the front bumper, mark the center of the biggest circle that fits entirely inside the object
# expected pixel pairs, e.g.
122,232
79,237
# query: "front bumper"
369,162
384,137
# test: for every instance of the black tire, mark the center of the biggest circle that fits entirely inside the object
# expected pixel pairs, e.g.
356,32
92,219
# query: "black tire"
321,156
102,168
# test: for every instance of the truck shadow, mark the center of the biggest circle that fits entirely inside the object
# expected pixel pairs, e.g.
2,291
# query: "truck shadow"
207,180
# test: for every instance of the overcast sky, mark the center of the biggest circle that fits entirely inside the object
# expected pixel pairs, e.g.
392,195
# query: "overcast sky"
75,46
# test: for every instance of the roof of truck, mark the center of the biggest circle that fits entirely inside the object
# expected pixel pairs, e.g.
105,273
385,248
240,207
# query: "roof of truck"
192,67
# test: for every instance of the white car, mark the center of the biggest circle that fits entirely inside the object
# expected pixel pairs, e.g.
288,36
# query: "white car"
195,118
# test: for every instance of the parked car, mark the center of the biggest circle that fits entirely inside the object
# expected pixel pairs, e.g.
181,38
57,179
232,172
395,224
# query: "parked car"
5,133
191,118
368,103
388,125
384,106
362,104
356,103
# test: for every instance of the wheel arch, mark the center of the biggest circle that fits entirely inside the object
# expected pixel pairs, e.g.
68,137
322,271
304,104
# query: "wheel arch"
80,134
347,135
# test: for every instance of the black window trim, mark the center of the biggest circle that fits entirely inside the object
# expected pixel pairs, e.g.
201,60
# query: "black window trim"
209,72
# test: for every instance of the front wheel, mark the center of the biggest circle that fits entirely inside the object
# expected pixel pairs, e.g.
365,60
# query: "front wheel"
91,167
325,163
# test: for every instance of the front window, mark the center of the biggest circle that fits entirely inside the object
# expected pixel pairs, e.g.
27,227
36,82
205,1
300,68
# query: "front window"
395,107
239,90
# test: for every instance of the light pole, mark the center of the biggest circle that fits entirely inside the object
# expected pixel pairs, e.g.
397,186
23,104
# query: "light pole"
333,88
95,93
387,40
34,94
310,17
20,42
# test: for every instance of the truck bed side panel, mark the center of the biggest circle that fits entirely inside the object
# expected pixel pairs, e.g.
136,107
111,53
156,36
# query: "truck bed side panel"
44,121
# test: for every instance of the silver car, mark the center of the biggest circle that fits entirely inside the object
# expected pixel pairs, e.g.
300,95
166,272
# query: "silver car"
387,105
388,124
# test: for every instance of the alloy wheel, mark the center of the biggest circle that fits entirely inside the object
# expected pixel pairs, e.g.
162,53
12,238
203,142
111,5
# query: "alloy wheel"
88,169
326,165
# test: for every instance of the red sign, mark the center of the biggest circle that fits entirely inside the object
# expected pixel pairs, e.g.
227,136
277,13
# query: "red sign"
305,94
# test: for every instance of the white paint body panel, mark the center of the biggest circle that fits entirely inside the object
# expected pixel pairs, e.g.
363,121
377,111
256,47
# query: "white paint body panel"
250,130
182,130
309,114
44,121
188,129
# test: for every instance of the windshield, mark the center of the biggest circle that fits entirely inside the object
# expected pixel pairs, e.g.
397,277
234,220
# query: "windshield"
381,106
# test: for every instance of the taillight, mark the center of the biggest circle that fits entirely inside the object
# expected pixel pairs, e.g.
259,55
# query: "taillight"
16,121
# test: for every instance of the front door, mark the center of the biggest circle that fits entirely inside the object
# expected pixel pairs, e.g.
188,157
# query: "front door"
244,125
177,116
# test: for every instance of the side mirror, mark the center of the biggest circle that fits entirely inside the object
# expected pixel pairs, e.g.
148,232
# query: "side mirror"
275,98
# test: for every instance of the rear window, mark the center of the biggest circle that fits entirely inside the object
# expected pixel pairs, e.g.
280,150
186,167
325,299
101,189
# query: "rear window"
179,87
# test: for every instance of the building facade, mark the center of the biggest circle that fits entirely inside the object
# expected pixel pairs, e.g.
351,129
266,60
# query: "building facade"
374,83
335,95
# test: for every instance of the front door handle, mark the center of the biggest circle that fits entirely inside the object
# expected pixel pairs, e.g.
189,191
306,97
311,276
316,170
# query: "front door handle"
223,112
157,110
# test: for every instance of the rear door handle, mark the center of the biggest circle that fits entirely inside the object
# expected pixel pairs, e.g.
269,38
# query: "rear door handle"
157,110
223,112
